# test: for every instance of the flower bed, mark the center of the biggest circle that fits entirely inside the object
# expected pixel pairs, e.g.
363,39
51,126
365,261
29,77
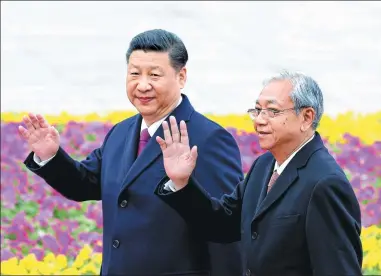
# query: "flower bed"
44,233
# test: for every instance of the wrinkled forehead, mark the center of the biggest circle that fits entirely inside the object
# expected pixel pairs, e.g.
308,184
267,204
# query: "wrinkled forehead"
276,93
150,59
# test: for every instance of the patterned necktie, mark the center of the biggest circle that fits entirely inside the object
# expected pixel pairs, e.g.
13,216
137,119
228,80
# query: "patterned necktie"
144,138
273,178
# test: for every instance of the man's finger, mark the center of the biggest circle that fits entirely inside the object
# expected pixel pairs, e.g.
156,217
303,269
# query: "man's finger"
161,142
28,123
194,153
53,131
42,122
184,134
174,130
23,132
167,133
34,121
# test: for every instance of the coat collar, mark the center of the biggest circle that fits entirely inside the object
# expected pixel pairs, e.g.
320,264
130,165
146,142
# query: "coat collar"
136,166
287,177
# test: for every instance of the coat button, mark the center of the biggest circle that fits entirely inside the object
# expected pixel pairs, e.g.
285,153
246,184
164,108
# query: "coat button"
115,243
254,235
248,272
123,203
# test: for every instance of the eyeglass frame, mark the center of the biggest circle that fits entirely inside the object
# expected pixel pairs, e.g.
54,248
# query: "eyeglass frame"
278,112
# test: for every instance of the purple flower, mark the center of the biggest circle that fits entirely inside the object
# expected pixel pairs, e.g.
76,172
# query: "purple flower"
6,254
50,243
38,228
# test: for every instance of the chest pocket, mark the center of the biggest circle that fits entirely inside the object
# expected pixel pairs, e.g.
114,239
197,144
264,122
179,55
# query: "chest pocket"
286,220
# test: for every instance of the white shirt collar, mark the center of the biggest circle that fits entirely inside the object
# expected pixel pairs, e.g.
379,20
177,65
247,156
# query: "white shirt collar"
152,128
281,168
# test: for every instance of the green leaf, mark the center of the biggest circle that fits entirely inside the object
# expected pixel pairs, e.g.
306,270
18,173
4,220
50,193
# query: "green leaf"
31,208
24,250
98,230
85,226
34,234
10,236
335,148
91,137
378,183
60,214
8,213
371,271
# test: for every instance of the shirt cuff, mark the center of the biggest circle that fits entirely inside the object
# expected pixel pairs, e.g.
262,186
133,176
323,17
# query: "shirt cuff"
169,186
38,161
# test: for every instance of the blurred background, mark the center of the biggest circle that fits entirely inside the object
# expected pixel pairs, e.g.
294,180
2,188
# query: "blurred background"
66,60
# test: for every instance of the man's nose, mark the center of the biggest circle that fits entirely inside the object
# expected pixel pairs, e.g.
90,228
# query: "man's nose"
144,85
260,119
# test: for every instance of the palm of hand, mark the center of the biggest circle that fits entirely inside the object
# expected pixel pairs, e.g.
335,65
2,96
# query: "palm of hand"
177,161
42,138
42,142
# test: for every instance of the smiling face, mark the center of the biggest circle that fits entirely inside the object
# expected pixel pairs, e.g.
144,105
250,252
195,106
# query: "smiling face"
286,130
153,85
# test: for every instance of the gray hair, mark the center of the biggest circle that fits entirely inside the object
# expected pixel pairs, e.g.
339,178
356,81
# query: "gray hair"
306,93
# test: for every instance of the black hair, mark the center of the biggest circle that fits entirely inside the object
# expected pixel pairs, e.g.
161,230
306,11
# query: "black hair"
158,40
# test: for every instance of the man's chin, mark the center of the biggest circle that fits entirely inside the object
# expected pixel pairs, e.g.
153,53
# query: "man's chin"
265,145
145,110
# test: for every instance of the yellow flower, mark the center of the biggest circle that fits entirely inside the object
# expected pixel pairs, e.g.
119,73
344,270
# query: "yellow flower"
97,258
70,271
8,266
49,258
29,262
85,252
13,270
371,241
78,262
369,244
46,268
34,271
367,127
372,260
61,261
89,268
82,257
88,262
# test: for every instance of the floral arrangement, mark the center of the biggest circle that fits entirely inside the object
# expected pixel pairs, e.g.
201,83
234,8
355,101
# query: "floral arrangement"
44,233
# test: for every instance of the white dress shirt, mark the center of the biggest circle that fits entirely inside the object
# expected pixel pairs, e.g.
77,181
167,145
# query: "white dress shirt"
151,130
281,168
277,168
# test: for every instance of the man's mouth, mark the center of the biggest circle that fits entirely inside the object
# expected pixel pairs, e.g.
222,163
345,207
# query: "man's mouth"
262,133
145,100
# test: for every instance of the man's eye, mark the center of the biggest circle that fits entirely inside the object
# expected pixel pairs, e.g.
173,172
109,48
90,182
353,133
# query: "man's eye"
275,111
134,73
155,75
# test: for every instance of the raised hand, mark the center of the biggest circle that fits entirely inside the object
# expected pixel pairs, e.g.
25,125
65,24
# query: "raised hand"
179,159
42,138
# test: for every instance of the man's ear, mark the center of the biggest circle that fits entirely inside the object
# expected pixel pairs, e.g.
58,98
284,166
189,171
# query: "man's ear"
308,116
182,77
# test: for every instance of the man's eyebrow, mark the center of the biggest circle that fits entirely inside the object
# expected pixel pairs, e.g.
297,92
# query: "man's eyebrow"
151,67
268,102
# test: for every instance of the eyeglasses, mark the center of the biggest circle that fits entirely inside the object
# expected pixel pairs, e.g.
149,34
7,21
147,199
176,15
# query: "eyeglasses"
266,113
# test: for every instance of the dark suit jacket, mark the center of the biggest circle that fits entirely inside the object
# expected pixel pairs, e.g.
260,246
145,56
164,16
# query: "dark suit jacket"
142,235
308,224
